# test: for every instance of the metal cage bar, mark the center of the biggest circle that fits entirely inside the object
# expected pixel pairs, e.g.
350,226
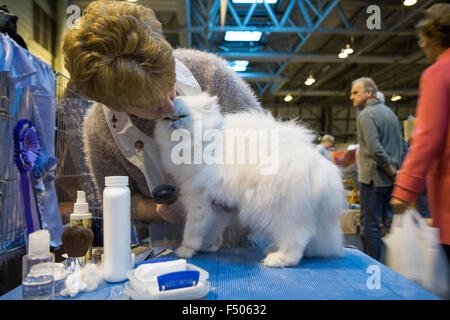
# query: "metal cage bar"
70,175
12,224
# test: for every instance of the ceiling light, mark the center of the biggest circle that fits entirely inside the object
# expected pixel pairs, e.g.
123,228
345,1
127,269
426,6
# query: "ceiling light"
132,0
342,54
348,50
239,65
396,97
243,35
288,97
408,3
239,68
310,80
241,62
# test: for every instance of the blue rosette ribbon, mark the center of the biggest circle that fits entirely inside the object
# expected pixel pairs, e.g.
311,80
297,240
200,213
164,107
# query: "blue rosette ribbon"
46,199
26,152
44,170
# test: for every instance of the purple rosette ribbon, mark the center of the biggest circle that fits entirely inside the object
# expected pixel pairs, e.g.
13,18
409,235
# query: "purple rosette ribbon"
26,152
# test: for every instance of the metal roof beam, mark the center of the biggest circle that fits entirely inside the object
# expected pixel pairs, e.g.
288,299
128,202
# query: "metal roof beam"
331,73
260,76
343,17
337,93
334,31
318,22
318,58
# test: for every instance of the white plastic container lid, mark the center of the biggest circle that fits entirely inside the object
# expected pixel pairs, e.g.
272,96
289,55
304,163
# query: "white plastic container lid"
150,290
150,271
116,181
57,269
39,243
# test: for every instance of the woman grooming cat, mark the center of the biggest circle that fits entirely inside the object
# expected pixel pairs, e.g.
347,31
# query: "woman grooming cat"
119,58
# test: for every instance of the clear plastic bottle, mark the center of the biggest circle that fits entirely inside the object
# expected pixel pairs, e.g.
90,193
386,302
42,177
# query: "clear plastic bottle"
38,268
116,259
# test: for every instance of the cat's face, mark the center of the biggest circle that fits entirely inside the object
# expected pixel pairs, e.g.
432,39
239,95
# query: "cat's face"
191,113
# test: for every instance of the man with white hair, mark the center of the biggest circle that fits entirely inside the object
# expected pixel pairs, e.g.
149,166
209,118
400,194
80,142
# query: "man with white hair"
380,155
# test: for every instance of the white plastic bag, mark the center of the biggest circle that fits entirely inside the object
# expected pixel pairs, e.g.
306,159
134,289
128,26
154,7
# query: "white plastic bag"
413,250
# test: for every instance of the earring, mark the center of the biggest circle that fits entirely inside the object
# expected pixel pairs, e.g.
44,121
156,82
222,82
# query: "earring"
114,120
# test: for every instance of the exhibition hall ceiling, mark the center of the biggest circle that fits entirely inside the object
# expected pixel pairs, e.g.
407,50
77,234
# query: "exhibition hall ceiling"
297,40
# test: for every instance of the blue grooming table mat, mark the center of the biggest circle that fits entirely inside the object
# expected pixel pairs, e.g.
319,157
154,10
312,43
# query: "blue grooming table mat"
238,274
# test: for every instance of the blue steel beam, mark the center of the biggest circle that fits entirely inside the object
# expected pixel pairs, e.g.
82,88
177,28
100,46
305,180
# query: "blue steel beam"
188,22
344,31
305,13
234,14
343,17
287,13
273,85
259,76
250,13
315,57
201,15
271,14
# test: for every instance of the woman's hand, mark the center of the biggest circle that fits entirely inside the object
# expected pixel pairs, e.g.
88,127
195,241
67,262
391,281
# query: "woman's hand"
399,206
172,213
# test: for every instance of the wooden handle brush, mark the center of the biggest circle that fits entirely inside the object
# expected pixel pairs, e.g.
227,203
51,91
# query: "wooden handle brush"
76,241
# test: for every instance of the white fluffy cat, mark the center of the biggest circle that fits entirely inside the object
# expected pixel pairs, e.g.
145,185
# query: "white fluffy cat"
285,189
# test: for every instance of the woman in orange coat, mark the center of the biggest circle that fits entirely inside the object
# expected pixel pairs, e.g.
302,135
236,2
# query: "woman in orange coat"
428,160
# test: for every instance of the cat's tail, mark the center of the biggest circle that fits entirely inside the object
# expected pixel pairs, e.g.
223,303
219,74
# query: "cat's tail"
327,183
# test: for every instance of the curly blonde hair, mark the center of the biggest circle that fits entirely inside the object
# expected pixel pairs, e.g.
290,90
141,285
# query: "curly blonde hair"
436,24
119,56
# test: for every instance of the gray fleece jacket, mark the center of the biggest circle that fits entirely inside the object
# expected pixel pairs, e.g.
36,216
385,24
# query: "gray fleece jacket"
104,158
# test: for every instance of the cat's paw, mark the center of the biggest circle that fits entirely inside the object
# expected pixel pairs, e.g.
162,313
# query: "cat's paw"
279,260
184,252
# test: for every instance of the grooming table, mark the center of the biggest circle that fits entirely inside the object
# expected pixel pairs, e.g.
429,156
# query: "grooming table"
238,274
